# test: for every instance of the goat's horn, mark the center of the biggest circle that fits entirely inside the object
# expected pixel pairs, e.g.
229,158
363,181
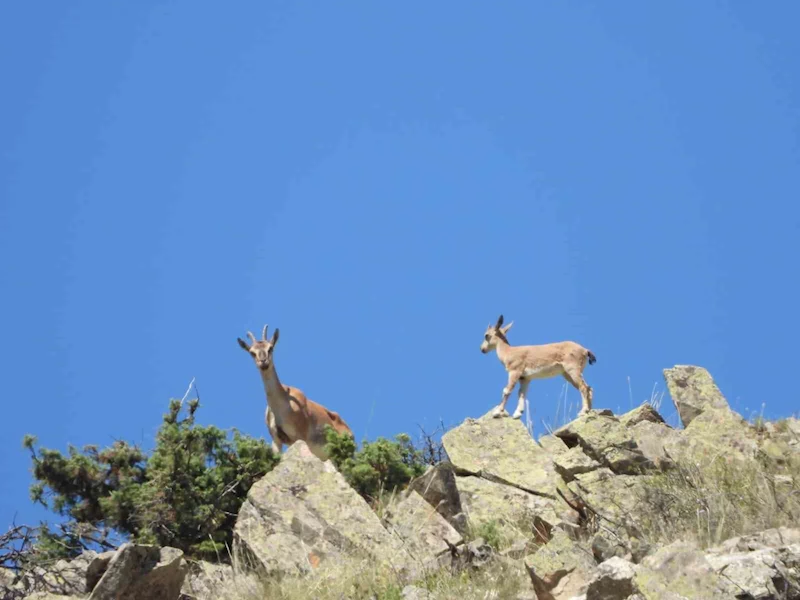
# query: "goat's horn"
252,338
264,333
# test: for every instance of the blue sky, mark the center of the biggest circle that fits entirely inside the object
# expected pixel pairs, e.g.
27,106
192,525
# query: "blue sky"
381,181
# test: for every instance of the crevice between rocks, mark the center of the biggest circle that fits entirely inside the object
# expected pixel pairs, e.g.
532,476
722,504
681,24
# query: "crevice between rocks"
499,480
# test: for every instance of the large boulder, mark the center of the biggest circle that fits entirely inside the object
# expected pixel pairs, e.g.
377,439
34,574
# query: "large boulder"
678,571
303,513
760,574
693,391
654,441
211,581
518,515
613,580
616,501
438,487
141,571
424,530
80,575
761,565
602,437
503,451
574,462
777,537
560,569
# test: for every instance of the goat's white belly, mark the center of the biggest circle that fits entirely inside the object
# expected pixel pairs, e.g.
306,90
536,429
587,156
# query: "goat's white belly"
542,372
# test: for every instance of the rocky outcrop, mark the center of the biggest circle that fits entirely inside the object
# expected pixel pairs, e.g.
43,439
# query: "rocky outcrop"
426,533
604,438
574,462
506,477
562,568
693,391
438,487
573,509
303,513
613,580
211,581
518,515
502,450
138,571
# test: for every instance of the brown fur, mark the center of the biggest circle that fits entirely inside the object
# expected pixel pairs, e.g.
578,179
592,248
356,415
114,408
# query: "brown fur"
526,363
290,414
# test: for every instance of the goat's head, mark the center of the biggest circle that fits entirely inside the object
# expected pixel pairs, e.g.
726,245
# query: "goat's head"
493,334
261,350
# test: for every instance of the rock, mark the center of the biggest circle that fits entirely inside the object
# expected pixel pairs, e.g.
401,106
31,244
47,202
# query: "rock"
422,528
769,538
615,499
517,550
140,571
68,577
303,513
552,444
479,553
412,592
210,581
762,565
606,440
613,580
562,568
653,439
640,414
502,451
607,544
574,462
678,571
750,573
474,555
7,577
716,429
518,514
438,487
693,392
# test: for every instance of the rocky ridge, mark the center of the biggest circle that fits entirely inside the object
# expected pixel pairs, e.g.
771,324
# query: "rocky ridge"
573,511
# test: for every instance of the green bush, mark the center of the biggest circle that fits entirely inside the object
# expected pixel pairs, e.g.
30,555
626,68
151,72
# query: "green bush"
379,467
185,494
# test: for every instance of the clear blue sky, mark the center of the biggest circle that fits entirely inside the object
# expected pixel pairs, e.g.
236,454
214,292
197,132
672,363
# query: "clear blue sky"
381,180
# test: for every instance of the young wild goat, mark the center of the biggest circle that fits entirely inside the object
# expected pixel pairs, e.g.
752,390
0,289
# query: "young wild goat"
524,363
290,415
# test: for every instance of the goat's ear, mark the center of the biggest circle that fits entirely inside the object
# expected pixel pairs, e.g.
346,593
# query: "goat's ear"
243,344
499,322
275,335
505,329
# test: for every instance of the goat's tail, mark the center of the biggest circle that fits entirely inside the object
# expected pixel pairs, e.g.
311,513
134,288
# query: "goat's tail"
592,358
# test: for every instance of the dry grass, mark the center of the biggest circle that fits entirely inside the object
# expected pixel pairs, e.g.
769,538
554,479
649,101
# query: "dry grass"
357,580
711,501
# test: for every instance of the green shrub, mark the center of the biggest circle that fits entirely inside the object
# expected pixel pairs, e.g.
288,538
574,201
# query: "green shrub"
382,466
490,532
185,494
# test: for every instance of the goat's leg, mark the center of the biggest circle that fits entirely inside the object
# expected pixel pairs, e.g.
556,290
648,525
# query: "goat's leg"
272,426
575,377
523,393
501,411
